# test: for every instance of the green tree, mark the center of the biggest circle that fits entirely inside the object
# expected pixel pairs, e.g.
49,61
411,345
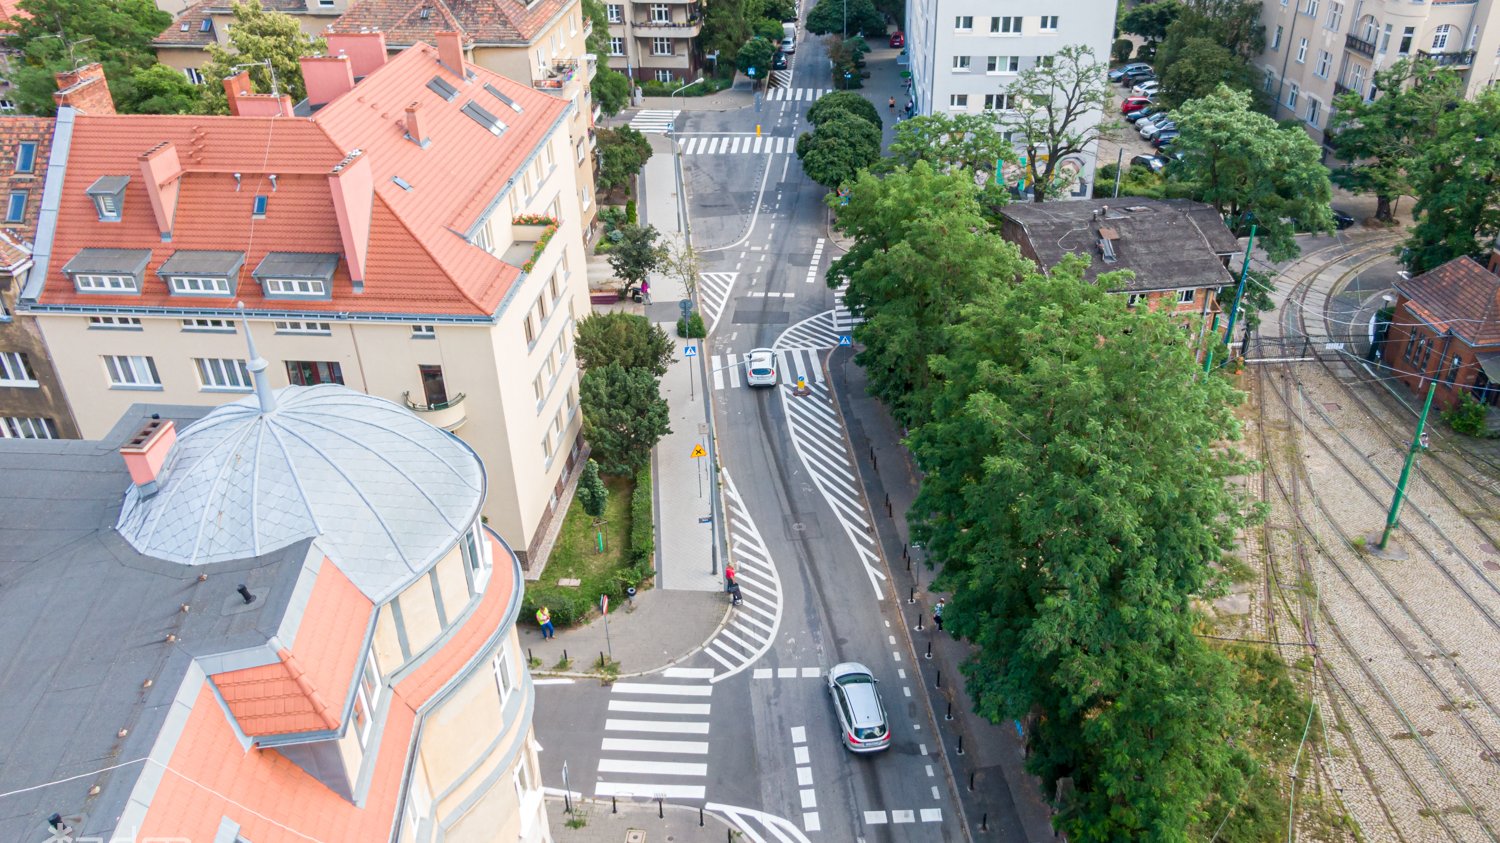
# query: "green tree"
1150,20
755,54
626,339
1055,108
259,35
828,18
611,90
1201,66
1385,137
623,151
624,416
842,103
636,254
682,262
1233,24
970,142
57,35
1457,184
1253,170
838,150
160,89
592,495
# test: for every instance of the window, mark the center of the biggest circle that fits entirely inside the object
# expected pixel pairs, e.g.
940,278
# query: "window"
258,207
665,76
15,369
433,386
997,102
190,286
539,386
964,23
1314,111
310,373
1005,25
193,74
1291,95
1453,370
424,332
26,157
1335,16
958,100
295,287
131,371
362,717
303,328
1276,39
1439,42
572,399
108,207
1302,51
615,12
1473,36
547,449
1407,35
661,13
1357,79
104,283
661,46
418,808
15,206
476,553
224,326
1186,296
7,105
1049,23
960,65
1004,64
15,427
128,323
479,115
1133,299
1385,39
1270,81
1325,61
1371,29
1312,8
505,679
223,373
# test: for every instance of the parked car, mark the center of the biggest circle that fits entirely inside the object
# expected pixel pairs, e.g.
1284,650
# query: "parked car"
898,39
1164,138
856,703
1119,73
760,367
1134,104
1342,220
1153,129
1155,119
1135,76
1138,116
789,44
778,61
1147,88
1154,163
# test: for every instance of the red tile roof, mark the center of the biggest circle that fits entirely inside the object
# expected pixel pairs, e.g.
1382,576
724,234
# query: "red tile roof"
305,691
271,796
418,261
13,132
486,22
187,29
1460,296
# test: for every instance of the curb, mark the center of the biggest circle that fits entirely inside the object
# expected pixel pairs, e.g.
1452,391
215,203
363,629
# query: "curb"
569,674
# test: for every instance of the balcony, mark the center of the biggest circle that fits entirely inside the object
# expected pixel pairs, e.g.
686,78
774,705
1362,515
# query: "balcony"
449,415
1339,89
530,234
668,29
1464,58
1360,45
557,76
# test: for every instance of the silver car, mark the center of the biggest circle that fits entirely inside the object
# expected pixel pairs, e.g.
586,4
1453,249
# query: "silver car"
862,723
760,367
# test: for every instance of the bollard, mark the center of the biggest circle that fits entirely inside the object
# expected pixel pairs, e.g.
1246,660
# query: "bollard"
939,682
913,597
661,814
960,744
971,781
904,554
700,816
529,657
949,715
919,623
929,651
567,802
565,655
984,823
614,804
908,562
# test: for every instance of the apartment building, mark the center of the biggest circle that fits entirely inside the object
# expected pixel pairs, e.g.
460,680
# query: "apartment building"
1318,49
413,235
965,54
655,40
286,622
542,44
32,404
195,25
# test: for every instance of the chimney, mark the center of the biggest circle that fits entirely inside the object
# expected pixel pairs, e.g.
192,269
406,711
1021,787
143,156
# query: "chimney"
85,89
414,128
327,78
352,186
162,171
146,452
450,46
366,50
244,102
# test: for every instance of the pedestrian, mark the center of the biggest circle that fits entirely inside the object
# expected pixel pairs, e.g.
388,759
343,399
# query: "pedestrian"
544,620
646,291
729,576
937,614
893,103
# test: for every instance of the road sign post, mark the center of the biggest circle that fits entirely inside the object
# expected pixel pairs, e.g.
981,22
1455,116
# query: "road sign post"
697,454
604,610
691,351
845,341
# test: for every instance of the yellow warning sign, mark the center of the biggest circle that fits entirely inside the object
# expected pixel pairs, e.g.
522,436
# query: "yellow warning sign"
698,452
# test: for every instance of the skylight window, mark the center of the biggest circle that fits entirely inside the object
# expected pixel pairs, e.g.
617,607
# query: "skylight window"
483,118
258,209
401,183
442,88
495,92
207,25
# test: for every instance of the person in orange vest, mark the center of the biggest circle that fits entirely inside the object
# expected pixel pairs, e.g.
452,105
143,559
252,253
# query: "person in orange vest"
544,620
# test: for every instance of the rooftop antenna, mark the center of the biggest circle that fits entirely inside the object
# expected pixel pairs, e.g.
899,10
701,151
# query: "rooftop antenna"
266,63
71,46
257,366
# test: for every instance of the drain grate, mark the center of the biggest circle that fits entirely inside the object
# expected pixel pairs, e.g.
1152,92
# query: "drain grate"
635,835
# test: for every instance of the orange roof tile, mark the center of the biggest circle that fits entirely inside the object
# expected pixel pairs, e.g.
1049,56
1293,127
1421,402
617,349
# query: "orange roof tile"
187,29
418,261
485,21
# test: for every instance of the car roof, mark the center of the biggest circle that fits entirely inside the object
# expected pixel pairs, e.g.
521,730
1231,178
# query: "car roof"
760,355
864,704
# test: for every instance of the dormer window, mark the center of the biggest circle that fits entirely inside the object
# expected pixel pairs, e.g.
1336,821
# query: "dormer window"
295,287
297,275
108,271
201,272
108,196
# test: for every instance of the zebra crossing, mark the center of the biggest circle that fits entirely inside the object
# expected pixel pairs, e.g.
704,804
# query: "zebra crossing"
753,629
654,120
713,293
797,94
791,363
738,145
816,331
843,320
781,79
655,742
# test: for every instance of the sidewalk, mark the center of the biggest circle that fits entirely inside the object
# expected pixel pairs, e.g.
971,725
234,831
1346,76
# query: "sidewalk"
662,628
596,823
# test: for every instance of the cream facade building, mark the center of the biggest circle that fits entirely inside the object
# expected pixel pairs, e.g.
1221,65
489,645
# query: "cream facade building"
655,40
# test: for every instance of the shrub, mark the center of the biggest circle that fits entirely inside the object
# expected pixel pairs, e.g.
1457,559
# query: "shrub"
1467,417
1121,50
693,328
630,212
642,523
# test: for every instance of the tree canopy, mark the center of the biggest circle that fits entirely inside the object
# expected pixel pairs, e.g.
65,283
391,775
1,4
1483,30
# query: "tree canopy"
1055,109
636,254
755,54
969,142
1201,65
1253,171
828,18
160,89
1457,184
1150,20
624,416
838,150
591,494
259,35
623,151
624,338
841,103
57,35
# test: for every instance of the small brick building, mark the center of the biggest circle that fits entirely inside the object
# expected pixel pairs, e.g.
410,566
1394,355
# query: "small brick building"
1446,327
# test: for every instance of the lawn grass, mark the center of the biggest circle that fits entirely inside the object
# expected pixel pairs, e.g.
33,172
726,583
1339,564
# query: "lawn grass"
576,555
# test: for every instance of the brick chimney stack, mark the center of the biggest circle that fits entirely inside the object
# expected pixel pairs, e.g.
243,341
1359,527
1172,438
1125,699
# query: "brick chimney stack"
85,89
450,46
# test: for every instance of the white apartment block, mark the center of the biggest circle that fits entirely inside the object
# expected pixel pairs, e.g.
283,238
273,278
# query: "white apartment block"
965,54
1317,49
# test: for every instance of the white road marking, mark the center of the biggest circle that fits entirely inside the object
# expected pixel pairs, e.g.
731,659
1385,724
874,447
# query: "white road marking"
901,674
786,673
552,680
906,690
809,798
684,727
800,754
658,707
654,120
935,795
804,776
929,771
810,821
655,688
932,815
688,673
648,790
632,745
657,768
762,673
811,672
903,816
799,734
874,818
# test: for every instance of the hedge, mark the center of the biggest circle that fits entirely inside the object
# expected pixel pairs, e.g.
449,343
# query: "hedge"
642,529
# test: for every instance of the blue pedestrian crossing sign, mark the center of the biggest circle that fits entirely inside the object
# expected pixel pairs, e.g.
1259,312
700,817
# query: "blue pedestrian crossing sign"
845,340
690,351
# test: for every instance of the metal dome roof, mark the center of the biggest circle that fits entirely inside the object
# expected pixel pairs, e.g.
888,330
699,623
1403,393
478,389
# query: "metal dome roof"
384,493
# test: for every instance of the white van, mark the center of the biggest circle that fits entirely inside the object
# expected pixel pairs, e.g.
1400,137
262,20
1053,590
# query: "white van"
789,38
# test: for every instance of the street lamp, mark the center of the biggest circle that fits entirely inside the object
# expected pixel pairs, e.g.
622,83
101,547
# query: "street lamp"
677,158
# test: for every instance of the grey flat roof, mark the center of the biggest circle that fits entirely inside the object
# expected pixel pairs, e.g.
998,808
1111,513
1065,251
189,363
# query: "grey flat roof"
83,624
108,184
202,262
297,265
109,261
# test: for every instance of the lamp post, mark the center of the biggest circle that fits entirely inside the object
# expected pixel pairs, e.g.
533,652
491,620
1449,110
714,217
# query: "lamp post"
677,159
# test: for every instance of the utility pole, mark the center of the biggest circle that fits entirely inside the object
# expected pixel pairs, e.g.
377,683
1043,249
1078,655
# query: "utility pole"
1417,444
1235,305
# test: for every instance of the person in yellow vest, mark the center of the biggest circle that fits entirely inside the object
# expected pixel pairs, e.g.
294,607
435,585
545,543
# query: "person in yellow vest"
544,620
